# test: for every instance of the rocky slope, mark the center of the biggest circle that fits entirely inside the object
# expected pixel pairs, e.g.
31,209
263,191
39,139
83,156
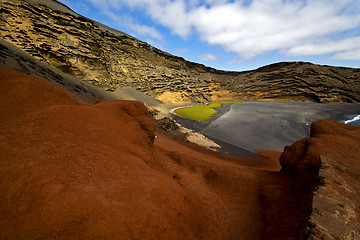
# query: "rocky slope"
20,61
327,162
75,171
112,59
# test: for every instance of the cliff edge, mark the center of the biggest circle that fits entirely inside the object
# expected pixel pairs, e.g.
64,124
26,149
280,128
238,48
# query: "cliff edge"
111,59
324,174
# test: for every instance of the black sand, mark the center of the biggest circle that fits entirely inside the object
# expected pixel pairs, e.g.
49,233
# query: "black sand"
254,126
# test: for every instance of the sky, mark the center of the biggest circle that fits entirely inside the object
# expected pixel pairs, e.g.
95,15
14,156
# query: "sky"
238,35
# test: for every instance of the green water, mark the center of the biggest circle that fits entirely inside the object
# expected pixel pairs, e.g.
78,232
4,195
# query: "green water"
202,113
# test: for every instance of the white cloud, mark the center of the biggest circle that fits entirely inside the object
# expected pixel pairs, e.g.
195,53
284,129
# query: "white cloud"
271,25
252,28
169,13
215,2
173,15
208,57
348,55
326,47
144,30
181,51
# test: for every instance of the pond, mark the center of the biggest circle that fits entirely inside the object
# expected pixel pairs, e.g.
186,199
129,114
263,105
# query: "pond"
202,113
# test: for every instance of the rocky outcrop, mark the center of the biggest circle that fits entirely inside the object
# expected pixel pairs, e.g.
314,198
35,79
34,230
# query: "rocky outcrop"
111,59
166,124
16,59
324,175
80,47
316,82
334,215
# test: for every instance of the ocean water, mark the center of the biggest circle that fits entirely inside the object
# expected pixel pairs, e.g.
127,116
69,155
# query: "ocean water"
354,120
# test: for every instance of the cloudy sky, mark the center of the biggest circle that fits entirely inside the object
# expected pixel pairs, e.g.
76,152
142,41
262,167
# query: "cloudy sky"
238,34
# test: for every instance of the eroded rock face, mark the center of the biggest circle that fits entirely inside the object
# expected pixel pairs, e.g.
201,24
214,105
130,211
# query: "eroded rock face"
78,46
334,214
111,60
324,175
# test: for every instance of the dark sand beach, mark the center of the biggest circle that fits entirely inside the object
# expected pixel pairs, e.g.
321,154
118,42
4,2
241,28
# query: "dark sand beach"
270,125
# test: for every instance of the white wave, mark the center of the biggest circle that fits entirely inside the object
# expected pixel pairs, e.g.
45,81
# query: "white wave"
356,118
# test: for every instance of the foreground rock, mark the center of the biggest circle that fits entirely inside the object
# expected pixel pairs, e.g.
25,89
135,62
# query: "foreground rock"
70,170
327,162
112,59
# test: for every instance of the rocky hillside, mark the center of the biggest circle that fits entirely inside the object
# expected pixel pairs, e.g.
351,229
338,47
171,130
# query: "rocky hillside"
112,59
328,161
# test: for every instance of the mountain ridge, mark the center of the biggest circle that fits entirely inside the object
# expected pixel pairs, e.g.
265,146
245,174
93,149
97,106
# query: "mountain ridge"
84,49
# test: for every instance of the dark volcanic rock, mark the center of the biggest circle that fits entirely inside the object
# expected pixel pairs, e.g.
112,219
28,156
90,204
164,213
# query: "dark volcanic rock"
111,59
166,124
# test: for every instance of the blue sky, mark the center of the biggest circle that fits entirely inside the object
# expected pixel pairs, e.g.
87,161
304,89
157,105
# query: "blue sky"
238,34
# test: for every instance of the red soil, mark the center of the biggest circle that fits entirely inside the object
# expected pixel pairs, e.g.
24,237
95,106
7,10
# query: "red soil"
75,171
273,157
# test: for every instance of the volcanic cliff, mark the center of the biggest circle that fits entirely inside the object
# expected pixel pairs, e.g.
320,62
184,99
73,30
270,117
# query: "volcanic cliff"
74,167
112,59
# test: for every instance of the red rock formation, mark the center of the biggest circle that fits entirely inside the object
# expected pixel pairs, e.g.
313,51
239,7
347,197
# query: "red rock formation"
75,171
71,171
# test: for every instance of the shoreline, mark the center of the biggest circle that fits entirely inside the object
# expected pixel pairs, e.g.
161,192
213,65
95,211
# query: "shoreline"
282,122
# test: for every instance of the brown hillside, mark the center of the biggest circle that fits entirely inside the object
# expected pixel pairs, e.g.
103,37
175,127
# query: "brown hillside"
75,171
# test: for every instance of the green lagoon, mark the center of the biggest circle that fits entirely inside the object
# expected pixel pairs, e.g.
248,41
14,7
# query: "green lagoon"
202,113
